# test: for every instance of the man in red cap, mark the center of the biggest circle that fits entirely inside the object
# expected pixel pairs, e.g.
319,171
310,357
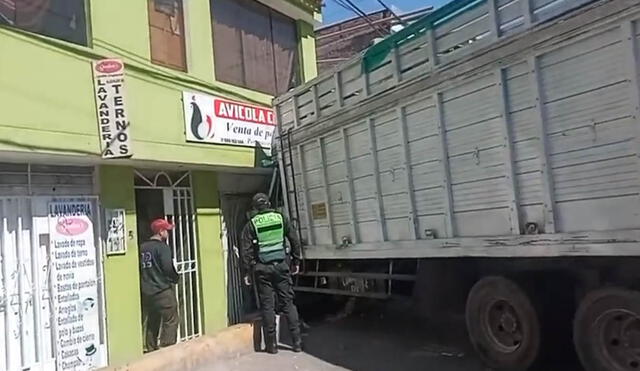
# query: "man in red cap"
157,279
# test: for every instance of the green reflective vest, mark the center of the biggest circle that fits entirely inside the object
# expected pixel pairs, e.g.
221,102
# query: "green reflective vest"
270,233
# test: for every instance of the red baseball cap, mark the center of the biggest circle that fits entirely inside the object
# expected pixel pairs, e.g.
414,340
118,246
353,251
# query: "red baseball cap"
160,225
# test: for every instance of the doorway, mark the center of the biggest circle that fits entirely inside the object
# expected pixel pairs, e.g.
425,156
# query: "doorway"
236,191
241,299
167,194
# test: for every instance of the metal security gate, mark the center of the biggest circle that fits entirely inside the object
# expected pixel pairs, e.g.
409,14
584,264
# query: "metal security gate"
30,335
177,204
26,311
239,298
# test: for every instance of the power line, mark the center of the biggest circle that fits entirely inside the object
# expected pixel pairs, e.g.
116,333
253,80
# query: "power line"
392,13
353,8
356,9
385,32
350,6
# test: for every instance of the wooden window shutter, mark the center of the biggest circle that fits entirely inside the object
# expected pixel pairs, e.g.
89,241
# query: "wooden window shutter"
227,41
257,44
285,46
166,31
254,46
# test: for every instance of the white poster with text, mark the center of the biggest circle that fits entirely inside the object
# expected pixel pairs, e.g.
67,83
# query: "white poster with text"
113,123
211,119
76,288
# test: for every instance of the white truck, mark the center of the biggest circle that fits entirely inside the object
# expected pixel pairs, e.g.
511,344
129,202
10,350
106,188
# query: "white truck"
496,143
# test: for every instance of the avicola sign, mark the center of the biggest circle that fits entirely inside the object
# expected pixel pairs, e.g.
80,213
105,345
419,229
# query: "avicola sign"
211,119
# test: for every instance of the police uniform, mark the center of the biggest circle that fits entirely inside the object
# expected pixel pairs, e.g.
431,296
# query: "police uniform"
264,253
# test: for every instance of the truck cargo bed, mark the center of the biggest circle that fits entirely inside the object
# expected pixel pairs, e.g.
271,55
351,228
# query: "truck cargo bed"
496,130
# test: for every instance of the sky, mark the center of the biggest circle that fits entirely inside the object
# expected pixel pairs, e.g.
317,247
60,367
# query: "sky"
332,12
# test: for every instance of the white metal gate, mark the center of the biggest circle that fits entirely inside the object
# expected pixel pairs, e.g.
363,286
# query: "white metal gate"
28,320
179,209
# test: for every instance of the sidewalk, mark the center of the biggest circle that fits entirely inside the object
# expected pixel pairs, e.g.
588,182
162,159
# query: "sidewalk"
284,361
362,344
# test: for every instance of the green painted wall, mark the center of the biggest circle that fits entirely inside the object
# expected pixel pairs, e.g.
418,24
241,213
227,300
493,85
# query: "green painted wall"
29,94
121,27
211,257
308,50
47,105
154,105
200,44
122,285
122,290
52,109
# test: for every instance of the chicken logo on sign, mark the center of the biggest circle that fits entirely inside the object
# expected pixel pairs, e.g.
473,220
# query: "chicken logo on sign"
199,129
218,120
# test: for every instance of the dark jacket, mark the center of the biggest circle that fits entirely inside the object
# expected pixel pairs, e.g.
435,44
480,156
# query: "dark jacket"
157,272
249,243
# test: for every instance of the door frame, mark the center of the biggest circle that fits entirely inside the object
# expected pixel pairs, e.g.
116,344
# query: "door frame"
181,191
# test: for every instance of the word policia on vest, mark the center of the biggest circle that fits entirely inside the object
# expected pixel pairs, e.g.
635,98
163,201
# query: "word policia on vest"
270,233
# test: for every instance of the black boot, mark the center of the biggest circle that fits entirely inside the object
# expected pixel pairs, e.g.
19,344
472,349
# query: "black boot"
271,345
297,347
297,344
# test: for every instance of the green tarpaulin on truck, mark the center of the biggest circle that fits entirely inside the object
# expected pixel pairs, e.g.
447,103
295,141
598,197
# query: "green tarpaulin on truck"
377,53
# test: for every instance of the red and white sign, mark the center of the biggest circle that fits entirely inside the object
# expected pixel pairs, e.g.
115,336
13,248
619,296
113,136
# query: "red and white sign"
72,226
211,119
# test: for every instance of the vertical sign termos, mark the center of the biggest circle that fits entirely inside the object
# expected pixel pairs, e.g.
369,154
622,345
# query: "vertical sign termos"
113,124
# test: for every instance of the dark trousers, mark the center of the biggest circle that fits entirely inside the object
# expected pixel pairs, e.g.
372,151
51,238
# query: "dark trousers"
275,278
161,316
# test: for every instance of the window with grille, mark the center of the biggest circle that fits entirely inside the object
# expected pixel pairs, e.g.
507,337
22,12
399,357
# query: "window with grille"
254,46
166,30
61,19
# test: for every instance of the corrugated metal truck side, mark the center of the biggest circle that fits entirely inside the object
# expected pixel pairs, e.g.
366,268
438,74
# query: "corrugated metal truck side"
489,129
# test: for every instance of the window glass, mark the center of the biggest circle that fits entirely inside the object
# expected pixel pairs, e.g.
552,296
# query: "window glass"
61,19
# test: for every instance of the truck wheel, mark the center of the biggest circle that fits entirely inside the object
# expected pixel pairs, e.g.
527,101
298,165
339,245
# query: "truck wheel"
606,330
503,324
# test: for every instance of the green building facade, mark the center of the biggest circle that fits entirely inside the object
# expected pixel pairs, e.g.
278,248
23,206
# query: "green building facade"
51,150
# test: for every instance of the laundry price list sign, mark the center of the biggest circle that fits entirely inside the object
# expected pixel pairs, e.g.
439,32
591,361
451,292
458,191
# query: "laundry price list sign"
73,254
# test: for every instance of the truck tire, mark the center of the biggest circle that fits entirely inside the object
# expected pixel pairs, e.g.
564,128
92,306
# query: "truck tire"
606,330
503,324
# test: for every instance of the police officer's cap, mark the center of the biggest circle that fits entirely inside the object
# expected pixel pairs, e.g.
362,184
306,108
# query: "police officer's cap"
260,201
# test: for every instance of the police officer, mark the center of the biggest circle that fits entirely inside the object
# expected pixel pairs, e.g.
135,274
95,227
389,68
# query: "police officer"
264,253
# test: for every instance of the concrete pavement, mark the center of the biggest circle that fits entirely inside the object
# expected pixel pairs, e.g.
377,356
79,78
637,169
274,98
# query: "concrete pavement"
201,353
376,342
362,344
370,341
283,361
